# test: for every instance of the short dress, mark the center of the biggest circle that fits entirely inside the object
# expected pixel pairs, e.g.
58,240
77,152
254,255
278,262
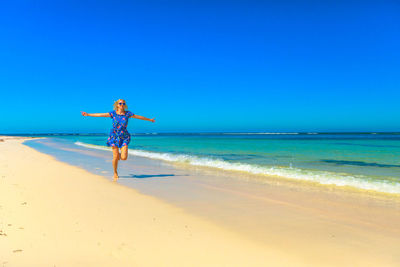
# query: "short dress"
119,135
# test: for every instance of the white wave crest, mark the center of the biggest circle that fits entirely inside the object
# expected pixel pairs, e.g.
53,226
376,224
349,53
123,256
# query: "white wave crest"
322,177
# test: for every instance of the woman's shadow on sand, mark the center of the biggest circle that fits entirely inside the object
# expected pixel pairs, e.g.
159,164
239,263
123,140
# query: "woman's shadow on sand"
142,176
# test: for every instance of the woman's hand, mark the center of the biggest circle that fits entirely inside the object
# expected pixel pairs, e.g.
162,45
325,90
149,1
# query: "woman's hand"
84,113
152,120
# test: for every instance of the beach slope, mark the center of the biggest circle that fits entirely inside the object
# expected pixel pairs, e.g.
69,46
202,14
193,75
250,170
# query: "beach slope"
55,214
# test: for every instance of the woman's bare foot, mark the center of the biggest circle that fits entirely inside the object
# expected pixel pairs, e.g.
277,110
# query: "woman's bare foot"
116,177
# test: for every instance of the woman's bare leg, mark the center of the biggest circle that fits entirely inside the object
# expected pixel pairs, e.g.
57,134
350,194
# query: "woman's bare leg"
124,152
116,157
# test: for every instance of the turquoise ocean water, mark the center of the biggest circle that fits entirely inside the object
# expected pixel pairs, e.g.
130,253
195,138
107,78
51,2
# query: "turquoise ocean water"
368,161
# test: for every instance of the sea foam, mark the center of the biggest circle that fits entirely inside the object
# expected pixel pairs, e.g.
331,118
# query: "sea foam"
321,177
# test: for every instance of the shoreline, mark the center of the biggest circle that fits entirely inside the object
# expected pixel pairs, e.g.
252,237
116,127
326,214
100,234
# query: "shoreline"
297,230
320,178
369,183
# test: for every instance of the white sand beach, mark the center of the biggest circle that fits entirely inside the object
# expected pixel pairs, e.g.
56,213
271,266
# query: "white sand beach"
55,214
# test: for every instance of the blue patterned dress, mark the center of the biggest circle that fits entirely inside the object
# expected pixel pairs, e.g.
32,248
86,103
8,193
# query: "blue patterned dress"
119,135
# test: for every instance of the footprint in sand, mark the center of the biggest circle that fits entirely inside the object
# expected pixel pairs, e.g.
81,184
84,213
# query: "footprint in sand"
17,250
122,252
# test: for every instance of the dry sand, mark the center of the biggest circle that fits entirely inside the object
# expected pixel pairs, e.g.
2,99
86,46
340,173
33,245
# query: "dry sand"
54,214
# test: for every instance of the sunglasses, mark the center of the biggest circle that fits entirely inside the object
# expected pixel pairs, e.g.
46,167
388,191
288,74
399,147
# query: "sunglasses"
121,104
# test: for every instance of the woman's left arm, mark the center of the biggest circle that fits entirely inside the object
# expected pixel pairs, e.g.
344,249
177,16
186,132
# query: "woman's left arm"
142,118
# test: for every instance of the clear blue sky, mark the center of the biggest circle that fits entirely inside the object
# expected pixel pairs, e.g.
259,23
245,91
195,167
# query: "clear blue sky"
199,66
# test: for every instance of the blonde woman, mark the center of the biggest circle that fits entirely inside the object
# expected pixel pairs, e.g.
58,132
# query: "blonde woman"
119,136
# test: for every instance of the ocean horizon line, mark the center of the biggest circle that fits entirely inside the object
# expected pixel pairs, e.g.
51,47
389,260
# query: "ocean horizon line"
207,133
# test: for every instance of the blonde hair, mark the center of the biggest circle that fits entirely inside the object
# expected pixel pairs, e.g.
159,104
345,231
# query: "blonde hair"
116,104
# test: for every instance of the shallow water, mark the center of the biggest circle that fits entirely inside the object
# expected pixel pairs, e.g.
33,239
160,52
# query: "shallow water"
365,161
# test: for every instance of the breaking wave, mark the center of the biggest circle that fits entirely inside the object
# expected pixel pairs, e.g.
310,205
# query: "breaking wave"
322,177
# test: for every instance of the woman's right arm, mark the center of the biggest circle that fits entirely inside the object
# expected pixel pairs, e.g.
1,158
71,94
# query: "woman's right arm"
95,114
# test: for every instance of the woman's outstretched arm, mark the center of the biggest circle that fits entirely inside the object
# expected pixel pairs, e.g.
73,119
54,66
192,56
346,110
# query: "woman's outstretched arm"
95,114
142,118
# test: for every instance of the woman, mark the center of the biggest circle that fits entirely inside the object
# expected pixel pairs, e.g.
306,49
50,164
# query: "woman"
119,136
